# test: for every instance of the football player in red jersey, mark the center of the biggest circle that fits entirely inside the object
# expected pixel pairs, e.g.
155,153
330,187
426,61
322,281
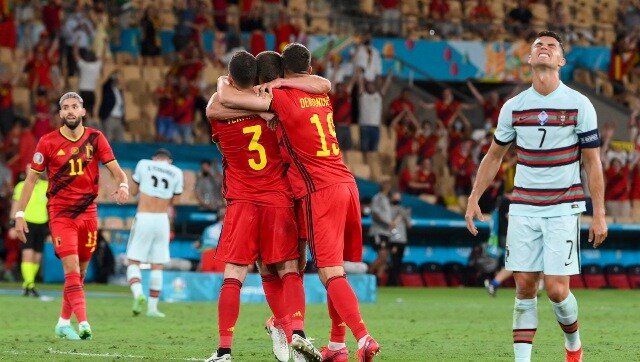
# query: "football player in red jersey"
320,178
70,157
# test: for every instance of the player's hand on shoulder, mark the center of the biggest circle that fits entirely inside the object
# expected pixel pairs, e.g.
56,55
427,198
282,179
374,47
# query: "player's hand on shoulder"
262,90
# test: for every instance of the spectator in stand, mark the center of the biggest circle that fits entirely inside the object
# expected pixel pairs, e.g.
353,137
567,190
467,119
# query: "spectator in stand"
391,17
617,188
101,38
401,103
427,140
209,240
253,23
44,122
463,167
185,109
459,130
7,82
421,182
220,14
19,146
52,18
634,195
491,103
111,111
368,59
78,30
370,113
440,13
8,31
191,63
406,125
89,71
271,9
398,240
285,31
519,18
381,225
335,69
200,24
165,97
624,58
185,12
341,100
24,13
208,188
42,66
150,37
447,108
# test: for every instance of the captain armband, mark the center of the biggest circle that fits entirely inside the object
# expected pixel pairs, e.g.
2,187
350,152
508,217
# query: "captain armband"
590,139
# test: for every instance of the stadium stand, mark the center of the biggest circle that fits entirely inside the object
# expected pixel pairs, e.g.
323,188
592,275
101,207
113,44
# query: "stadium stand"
616,277
432,275
633,271
454,274
410,275
593,276
576,282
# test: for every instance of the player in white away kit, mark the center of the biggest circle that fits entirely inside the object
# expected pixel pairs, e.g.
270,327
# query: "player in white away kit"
160,184
554,127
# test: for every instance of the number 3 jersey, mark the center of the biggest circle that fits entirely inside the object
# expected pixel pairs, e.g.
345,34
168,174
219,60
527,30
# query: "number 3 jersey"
308,141
73,171
549,132
158,179
251,162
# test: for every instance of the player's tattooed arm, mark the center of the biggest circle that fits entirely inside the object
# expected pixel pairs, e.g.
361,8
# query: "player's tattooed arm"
233,98
216,111
307,83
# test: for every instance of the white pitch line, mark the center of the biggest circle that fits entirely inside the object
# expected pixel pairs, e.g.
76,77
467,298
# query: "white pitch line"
116,355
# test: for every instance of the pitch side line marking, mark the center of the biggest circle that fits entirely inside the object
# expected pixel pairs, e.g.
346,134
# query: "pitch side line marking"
105,355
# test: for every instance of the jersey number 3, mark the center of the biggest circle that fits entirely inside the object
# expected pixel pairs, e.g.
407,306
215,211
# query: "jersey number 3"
255,146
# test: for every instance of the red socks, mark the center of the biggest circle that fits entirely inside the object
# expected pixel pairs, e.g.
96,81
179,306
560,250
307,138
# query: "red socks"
346,304
228,310
74,294
66,311
293,293
338,326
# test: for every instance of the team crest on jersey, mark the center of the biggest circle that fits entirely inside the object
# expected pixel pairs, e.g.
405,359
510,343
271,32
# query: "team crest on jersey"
75,151
38,158
542,117
562,117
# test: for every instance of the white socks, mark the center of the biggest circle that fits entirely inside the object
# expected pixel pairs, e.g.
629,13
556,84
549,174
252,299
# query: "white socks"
567,315
525,324
134,278
155,286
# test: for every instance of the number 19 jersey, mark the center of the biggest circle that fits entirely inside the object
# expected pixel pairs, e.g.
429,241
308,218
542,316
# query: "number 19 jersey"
253,168
308,141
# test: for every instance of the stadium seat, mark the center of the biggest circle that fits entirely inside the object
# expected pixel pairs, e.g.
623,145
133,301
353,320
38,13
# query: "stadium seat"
410,276
593,277
211,264
576,282
454,274
616,276
633,272
433,275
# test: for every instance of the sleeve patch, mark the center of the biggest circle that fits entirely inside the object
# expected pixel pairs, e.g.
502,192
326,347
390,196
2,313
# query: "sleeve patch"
38,158
590,139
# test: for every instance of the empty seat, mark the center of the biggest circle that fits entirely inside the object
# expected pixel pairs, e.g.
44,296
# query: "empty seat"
433,275
616,276
593,276
454,274
410,275
633,272
576,282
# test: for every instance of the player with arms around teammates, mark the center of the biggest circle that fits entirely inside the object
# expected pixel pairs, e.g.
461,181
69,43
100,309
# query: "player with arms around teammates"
322,181
70,156
159,184
260,220
554,127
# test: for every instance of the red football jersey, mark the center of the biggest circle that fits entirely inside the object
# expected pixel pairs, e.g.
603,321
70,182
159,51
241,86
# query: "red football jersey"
252,164
308,141
72,168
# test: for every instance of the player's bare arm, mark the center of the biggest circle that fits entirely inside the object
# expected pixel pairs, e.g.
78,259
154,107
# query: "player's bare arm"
216,111
121,194
591,162
304,82
134,188
487,171
21,225
234,98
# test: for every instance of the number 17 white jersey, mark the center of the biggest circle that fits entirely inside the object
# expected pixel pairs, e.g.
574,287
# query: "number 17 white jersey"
158,178
549,132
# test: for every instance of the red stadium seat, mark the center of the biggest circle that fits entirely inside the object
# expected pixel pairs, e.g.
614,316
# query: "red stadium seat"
409,276
211,264
433,275
576,282
593,277
633,272
454,273
616,276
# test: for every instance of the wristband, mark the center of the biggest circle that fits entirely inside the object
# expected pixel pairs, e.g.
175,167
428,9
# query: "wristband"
19,214
125,185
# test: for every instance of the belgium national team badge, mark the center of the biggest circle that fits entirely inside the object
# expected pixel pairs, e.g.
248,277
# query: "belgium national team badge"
562,117
58,241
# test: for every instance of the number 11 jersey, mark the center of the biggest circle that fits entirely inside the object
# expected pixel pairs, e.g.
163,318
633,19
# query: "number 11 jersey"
158,179
307,140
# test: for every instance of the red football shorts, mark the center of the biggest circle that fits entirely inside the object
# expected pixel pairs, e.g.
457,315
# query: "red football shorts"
74,237
250,231
301,219
334,225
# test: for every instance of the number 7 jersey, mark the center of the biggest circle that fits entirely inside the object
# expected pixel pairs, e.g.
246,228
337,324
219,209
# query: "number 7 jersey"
307,139
73,171
251,161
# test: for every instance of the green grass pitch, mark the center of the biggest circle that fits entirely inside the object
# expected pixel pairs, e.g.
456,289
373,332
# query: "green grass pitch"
410,324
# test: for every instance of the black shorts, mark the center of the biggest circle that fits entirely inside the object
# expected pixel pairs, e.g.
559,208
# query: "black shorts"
380,242
36,236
